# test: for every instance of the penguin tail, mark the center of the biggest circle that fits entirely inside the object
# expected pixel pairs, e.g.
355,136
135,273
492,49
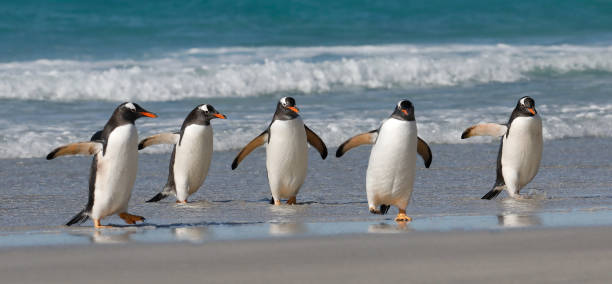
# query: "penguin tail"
272,200
493,193
382,211
158,197
78,218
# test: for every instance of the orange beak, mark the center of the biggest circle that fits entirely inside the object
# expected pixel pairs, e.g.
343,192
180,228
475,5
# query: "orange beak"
295,109
532,111
148,114
405,112
218,115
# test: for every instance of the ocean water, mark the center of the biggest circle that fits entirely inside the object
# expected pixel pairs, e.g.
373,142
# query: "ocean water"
65,65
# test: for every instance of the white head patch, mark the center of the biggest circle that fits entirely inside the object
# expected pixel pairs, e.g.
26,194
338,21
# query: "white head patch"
283,101
399,104
523,101
204,108
130,106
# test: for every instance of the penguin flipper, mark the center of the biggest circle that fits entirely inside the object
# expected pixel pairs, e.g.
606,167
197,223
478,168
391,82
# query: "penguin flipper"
315,141
79,148
256,142
162,138
485,129
357,140
424,151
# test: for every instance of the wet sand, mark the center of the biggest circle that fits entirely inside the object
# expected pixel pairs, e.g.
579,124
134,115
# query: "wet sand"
569,255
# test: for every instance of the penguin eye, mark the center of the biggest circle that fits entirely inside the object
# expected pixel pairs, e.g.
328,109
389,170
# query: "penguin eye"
204,109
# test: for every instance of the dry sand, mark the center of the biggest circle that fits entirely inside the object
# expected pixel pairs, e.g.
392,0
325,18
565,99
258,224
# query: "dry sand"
572,255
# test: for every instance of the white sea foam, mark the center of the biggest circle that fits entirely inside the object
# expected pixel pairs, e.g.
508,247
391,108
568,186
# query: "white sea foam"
35,139
243,72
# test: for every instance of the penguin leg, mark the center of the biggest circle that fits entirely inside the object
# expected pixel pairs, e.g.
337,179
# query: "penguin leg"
402,217
372,204
373,210
130,219
511,178
277,201
97,225
292,200
182,202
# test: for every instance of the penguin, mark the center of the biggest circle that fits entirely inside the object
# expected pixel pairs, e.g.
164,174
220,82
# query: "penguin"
520,150
114,166
391,168
286,141
191,155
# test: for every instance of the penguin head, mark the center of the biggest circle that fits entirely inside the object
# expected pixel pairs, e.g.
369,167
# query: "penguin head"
131,111
526,106
286,109
404,110
208,112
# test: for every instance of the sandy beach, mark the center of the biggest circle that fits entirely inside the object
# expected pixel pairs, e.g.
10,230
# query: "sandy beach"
66,65
570,255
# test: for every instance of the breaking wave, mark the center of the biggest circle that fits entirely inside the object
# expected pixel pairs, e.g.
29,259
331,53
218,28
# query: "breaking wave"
247,72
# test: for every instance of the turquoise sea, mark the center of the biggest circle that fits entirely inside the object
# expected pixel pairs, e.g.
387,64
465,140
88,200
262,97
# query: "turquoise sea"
65,65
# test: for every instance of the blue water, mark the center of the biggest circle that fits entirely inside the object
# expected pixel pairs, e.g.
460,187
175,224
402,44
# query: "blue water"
65,65
119,29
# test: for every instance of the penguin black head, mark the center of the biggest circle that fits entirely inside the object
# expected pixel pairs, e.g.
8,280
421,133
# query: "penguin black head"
404,110
204,113
526,106
286,109
129,112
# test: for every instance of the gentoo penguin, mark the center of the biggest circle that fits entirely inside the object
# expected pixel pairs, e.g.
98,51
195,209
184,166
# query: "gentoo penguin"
390,174
193,147
520,150
114,166
286,151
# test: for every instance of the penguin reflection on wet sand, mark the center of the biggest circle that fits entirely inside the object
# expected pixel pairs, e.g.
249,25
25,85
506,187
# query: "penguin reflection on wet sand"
520,151
191,155
286,141
114,166
391,169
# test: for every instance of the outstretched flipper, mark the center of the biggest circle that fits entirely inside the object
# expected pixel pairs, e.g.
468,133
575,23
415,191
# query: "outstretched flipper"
258,141
79,148
315,141
357,140
162,138
424,151
485,129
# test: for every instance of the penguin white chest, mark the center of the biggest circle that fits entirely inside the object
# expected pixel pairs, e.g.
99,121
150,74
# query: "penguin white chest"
390,174
286,157
116,172
522,151
192,159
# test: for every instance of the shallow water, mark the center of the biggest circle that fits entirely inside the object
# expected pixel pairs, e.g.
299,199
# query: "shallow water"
65,66
575,178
